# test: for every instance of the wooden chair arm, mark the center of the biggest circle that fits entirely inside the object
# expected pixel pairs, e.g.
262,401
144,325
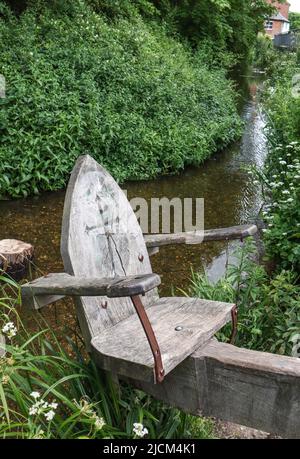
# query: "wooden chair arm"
62,284
197,237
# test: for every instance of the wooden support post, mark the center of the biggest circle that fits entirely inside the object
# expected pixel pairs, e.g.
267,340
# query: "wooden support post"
255,389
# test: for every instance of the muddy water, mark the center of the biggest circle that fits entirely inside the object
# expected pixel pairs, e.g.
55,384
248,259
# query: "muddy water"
230,197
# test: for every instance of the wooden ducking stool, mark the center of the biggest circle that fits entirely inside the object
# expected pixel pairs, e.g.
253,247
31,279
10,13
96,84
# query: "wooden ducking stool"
136,335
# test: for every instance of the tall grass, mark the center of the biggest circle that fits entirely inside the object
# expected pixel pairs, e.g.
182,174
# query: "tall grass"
269,306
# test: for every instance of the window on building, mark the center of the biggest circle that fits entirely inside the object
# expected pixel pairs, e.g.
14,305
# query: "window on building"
269,25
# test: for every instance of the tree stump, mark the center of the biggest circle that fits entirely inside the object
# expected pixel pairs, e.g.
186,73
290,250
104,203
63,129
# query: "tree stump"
15,257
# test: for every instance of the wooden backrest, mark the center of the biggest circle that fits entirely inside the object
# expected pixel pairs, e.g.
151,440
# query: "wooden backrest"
101,237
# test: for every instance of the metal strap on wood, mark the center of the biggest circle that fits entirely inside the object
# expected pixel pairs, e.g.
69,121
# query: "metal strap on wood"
158,365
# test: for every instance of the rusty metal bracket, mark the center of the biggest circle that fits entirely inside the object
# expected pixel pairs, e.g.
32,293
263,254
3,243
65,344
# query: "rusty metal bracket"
234,319
158,365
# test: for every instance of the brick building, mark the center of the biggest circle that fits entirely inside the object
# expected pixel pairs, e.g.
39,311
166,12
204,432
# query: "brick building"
279,21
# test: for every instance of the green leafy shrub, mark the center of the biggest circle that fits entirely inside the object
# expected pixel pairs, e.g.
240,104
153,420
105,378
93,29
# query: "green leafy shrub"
281,183
264,55
269,308
123,91
282,101
53,390
281,175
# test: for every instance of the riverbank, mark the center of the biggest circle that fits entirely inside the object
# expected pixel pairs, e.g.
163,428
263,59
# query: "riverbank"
269,300
138,100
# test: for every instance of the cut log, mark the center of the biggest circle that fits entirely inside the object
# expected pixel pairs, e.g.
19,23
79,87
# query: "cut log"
15,257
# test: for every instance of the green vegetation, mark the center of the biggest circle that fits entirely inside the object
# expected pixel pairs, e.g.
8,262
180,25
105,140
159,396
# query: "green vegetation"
294,19
281,177
231,25
264,56
51,391
138,101
140,85
269,303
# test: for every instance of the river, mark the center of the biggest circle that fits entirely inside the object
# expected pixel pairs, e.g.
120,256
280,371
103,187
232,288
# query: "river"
231,198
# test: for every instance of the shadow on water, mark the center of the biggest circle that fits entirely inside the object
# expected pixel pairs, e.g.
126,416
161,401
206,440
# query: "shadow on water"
231,198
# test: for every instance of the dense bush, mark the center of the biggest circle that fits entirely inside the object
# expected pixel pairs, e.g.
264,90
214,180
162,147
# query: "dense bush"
138,101
265,56
281,183
282,101
281,175
231,24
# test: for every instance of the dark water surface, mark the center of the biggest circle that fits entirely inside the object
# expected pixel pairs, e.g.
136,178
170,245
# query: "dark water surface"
231,198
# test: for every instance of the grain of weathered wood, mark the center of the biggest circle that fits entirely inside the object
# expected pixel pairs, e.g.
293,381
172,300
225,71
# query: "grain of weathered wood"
197,237
251,388
101,238
65,284
125,343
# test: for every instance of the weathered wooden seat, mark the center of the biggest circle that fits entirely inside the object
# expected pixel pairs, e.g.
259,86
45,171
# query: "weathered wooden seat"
107,268
181,325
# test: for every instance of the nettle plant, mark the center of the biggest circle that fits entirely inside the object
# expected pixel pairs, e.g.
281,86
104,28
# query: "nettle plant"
281,186
124,91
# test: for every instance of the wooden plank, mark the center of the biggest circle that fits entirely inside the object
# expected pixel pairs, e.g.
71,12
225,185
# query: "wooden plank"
101,238
197,237
180,325
255,389
64,284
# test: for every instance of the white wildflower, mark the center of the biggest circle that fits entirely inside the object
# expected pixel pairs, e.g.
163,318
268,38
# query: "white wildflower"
9,329
283,163
49,415
33,410
290,200
139,430
285,192
99,423
35,395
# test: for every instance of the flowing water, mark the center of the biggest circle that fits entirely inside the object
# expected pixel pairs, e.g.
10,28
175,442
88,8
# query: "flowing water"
231,198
